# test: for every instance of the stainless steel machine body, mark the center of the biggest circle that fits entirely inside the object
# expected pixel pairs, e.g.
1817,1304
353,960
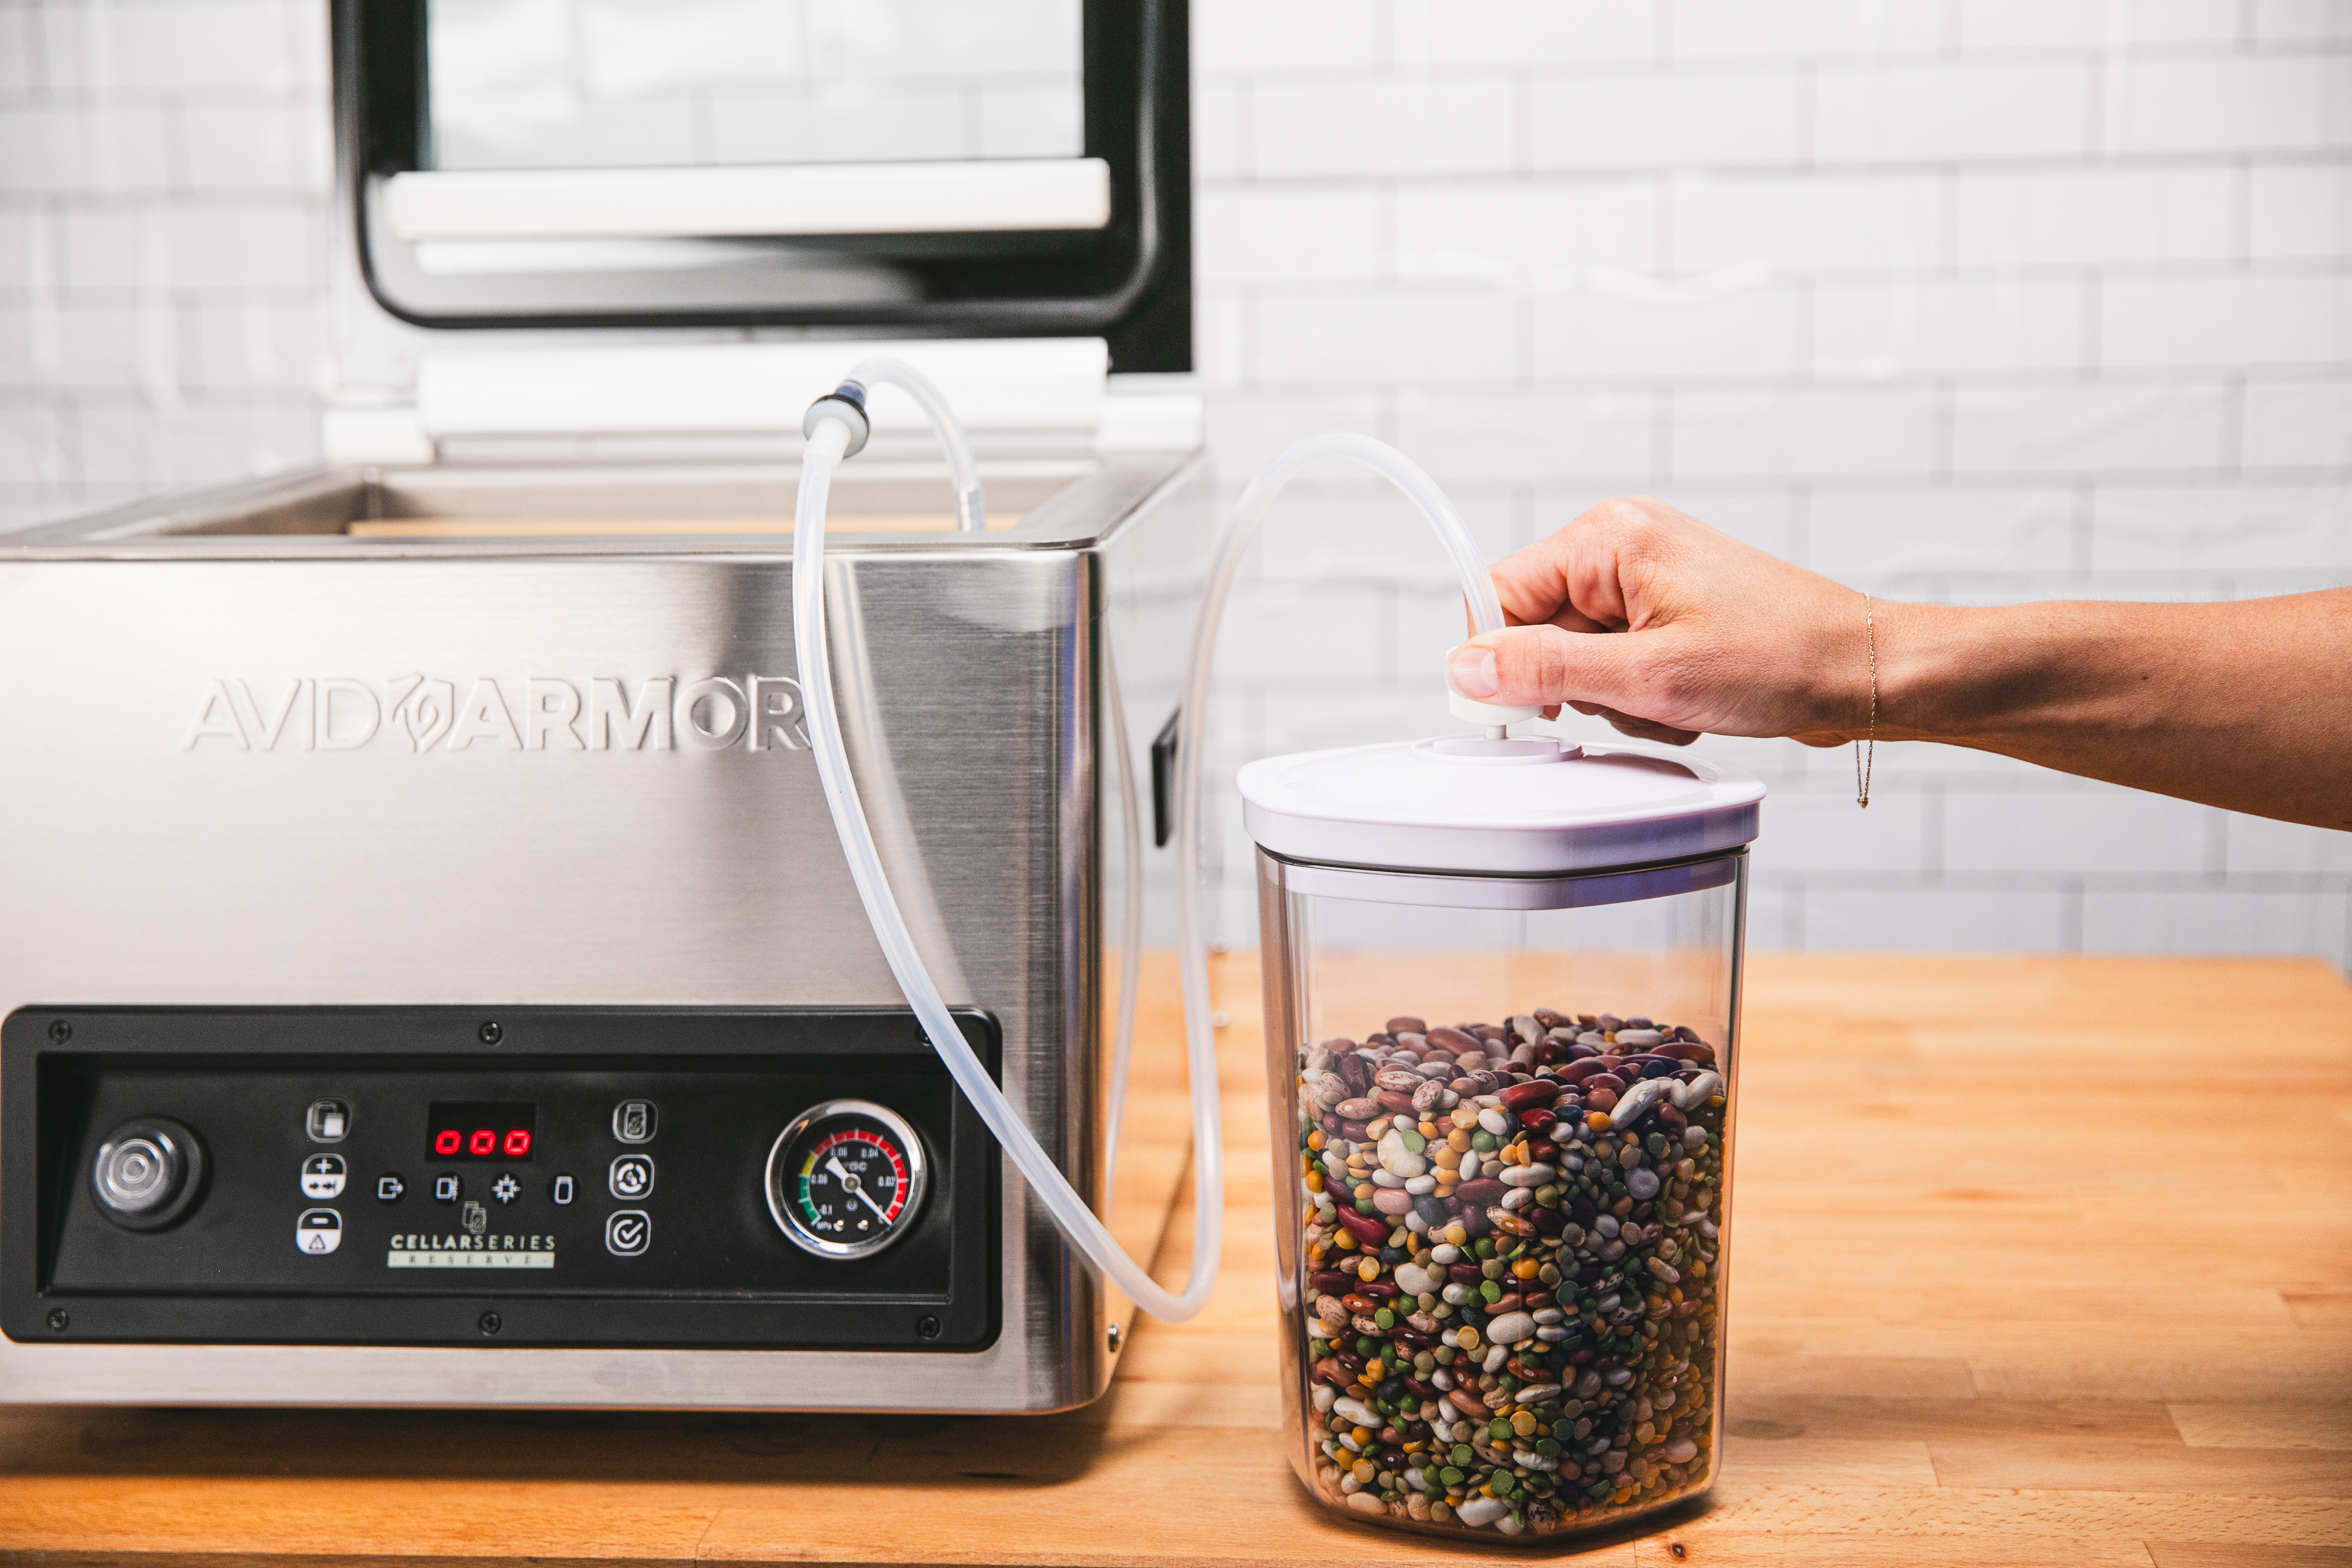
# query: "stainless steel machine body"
256,761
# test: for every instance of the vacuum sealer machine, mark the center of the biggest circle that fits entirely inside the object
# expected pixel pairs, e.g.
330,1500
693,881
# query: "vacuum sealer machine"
429,975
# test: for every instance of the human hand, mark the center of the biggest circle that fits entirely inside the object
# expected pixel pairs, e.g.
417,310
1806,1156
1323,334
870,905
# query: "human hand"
1649,619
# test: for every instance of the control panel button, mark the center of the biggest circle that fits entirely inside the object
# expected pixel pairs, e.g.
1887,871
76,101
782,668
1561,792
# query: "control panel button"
389,1186
506,1187
633,1121
329,1122
447,1189
560,1189
628,1233
319,1232
632,1176
322,1176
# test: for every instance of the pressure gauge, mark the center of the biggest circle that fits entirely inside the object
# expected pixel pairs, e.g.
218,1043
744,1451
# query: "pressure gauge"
846,1178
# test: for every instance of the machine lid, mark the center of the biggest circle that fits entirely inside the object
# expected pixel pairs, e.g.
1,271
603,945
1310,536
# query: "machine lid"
956,169
1527,806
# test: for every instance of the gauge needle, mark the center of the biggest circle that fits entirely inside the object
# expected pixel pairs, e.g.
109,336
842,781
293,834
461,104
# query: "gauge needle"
853,1184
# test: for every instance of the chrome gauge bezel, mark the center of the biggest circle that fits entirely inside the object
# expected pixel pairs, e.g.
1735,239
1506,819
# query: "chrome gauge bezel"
786,1213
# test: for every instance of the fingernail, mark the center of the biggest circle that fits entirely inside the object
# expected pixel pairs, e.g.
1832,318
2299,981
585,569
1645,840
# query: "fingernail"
1470,672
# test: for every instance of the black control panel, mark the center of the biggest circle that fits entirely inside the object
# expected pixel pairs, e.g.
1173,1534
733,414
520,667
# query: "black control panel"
529,1177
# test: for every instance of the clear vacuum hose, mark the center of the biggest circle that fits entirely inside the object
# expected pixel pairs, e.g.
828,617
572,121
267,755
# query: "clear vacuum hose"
837,427
833,426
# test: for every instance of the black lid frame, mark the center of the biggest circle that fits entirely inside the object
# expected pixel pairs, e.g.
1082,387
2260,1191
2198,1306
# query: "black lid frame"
1128,282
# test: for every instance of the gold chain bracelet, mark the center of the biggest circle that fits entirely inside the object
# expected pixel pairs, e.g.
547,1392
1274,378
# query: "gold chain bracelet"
1863,769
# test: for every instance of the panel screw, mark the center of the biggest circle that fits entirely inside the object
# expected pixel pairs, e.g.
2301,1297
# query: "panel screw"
1114,1339
58,1322
60,1032
928,1328
489,1323
490,1034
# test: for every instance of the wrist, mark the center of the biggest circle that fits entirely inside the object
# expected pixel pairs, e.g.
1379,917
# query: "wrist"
1856,676
1937,667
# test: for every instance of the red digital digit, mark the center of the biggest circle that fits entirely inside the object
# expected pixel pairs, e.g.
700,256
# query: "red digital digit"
518,1141
483,1142
445,1143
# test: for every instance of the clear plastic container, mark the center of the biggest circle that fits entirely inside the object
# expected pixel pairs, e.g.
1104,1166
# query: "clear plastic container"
1502,1098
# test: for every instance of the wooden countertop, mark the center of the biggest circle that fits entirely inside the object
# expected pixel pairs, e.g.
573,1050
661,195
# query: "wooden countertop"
2036,1262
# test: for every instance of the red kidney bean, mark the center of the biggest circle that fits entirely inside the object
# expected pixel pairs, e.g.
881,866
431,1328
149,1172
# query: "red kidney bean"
1462,1274
1381,1290
1364,1227
1406,1023
1605,1081
1400,1104
1598,1100
1331,1282
1579,1069
1453,1040
1537,1118
1521,1096
1480,1192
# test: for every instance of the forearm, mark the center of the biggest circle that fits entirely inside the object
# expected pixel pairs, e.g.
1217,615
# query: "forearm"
2245,705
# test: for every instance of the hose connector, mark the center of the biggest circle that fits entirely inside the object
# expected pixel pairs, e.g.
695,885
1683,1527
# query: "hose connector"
1487,715
845,402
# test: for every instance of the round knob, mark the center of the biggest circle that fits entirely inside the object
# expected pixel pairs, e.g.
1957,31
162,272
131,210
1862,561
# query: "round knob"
147,1172
136,1174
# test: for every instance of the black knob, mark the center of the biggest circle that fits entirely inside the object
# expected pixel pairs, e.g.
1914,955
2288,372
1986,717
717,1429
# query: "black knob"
149,1171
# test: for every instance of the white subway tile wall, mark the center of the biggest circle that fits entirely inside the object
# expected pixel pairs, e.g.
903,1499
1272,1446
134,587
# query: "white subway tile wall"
1966,300
1980,301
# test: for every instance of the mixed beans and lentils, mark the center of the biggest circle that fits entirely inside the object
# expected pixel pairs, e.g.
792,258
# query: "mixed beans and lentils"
1509,1311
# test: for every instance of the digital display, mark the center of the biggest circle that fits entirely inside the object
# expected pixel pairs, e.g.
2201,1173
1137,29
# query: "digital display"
481,1130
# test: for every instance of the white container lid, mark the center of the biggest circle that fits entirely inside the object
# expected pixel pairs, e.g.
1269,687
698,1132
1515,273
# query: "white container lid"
1528,805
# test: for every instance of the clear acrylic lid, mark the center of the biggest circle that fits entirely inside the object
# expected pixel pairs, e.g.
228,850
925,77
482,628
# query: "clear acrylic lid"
1527,806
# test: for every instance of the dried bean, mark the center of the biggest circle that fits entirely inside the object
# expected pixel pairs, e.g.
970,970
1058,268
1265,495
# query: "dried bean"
1577,1323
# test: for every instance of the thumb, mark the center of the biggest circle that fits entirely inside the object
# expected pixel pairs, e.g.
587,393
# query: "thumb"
1539,666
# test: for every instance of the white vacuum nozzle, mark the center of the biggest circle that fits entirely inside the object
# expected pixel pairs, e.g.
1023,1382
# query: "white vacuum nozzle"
1487,715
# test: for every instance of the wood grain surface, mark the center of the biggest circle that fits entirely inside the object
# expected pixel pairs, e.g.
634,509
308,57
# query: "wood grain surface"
2034,1261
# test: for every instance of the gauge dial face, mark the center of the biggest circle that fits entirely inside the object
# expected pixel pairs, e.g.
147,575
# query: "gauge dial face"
846,1178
